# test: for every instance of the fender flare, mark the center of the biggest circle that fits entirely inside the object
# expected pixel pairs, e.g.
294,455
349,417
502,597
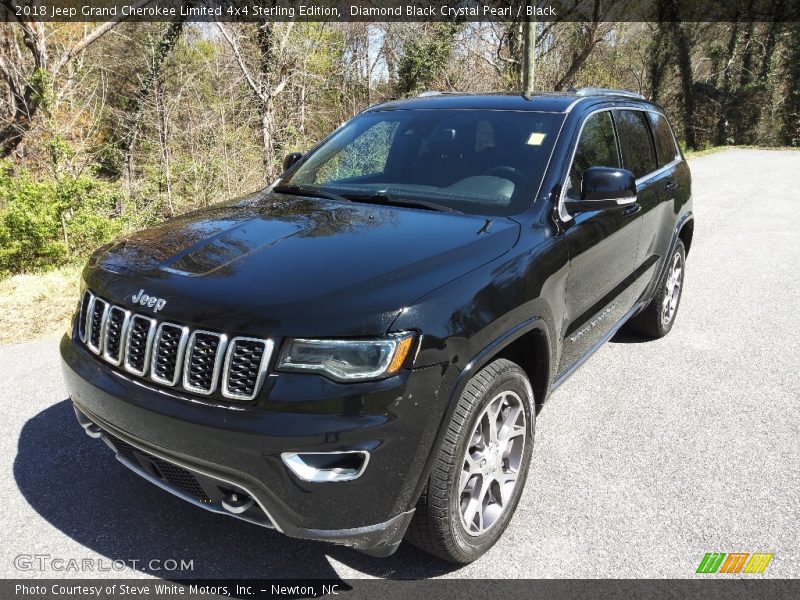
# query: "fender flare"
475,364
653,285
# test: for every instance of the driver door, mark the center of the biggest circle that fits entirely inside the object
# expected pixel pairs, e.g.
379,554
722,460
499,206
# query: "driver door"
602,245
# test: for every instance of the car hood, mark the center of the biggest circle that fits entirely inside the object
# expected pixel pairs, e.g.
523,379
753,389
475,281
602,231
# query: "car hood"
274,264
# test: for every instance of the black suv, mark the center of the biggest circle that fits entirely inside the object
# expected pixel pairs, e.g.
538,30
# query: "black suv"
357,353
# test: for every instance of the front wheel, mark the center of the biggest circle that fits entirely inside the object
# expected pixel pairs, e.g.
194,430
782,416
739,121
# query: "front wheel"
481,468
658,318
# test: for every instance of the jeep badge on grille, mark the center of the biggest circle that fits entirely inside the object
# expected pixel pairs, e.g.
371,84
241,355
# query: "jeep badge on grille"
149,301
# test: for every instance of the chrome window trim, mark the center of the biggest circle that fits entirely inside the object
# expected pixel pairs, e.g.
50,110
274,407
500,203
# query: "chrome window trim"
269,346
90,317
123,336
562,213
148,345
85,326
178,355
187,362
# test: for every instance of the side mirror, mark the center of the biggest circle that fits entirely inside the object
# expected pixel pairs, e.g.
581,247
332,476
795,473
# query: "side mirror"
291,160
604,187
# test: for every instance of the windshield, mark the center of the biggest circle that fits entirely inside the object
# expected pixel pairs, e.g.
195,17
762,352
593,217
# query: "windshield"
473,161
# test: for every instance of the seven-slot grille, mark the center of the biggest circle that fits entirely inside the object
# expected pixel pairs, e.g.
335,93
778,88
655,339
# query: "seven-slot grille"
202,362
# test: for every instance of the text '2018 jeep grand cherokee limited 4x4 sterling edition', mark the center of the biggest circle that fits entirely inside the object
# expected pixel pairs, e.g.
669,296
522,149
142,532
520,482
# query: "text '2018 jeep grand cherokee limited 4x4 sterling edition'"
356,353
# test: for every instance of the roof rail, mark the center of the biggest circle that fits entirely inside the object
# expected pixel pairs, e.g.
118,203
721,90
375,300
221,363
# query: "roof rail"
598,91
428,93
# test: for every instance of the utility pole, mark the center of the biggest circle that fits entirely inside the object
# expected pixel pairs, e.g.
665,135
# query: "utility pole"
528,55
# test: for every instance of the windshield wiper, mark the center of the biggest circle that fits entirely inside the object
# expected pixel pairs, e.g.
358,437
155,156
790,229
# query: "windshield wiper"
383,198
299,190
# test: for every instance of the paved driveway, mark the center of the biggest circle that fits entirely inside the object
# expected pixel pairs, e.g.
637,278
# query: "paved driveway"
652,454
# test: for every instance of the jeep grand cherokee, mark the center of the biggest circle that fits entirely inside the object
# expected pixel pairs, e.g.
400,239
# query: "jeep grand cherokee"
357,352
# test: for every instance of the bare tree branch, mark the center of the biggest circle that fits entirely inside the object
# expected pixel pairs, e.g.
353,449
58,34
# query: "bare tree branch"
242,65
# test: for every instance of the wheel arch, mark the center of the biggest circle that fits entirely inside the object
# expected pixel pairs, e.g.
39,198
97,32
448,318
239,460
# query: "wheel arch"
532,334
686,233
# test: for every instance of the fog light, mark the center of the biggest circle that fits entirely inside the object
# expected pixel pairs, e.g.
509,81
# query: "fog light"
322,467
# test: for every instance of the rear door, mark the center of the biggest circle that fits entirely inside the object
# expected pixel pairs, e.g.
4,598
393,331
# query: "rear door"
639,156
670,181
603,246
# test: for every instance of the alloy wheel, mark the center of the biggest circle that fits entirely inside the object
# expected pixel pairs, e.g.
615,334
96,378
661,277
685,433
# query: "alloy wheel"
490,468
672,289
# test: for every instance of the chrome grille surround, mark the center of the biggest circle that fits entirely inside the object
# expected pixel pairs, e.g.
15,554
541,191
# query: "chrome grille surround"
170,354
138,344
96,324
115,337
229,370
162,359
83,314
198,361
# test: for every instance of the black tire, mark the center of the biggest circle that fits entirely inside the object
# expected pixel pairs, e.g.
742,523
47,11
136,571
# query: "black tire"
651,321
437,526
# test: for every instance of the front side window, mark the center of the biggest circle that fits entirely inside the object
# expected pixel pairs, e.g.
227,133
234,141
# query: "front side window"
475,161
638,154
665,144
597,147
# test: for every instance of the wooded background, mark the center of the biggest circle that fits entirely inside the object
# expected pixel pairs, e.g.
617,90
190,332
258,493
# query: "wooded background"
106,128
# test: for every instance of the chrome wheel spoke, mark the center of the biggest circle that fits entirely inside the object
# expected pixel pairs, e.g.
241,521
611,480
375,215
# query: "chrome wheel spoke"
506,483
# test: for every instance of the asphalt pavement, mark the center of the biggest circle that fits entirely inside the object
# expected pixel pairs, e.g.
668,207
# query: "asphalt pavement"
649,456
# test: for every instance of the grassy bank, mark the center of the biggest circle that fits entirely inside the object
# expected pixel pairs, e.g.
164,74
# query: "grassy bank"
37,304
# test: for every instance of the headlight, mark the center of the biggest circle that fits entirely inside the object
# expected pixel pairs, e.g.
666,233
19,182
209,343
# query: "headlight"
347,360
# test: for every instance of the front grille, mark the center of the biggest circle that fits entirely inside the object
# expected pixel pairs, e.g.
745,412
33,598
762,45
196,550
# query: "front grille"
115,330
98,312
168,352
83,312
203,356
172,474
245,365
140,335
171,354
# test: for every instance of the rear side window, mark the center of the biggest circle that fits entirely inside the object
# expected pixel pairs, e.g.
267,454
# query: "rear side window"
596,148
665,143
638,154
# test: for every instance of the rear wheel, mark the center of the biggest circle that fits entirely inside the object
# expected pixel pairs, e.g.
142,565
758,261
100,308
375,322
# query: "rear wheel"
658,318
481,468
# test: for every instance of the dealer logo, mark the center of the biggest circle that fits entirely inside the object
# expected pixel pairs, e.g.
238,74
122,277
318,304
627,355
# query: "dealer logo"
734,562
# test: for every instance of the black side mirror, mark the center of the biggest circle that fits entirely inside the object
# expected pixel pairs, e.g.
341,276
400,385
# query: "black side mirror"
604,187
291,160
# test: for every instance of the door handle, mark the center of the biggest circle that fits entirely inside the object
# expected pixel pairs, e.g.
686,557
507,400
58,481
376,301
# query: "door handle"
632,209
671,185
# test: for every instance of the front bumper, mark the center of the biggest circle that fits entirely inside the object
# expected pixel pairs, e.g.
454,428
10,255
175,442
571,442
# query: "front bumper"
232,448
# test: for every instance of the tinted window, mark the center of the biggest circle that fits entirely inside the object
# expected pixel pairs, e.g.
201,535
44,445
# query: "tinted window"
665,144
487,162
596,148
637,146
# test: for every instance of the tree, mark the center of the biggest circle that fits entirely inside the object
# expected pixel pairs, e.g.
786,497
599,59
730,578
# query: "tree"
424,58
28,83
267,81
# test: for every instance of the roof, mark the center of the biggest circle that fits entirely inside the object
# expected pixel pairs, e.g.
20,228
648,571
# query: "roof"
541,102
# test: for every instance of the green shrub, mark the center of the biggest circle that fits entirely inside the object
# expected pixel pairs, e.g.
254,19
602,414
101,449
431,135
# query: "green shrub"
50,223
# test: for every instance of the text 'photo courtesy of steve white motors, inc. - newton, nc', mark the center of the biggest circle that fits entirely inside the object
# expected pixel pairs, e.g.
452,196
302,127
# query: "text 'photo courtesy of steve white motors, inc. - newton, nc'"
136,589
235,10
